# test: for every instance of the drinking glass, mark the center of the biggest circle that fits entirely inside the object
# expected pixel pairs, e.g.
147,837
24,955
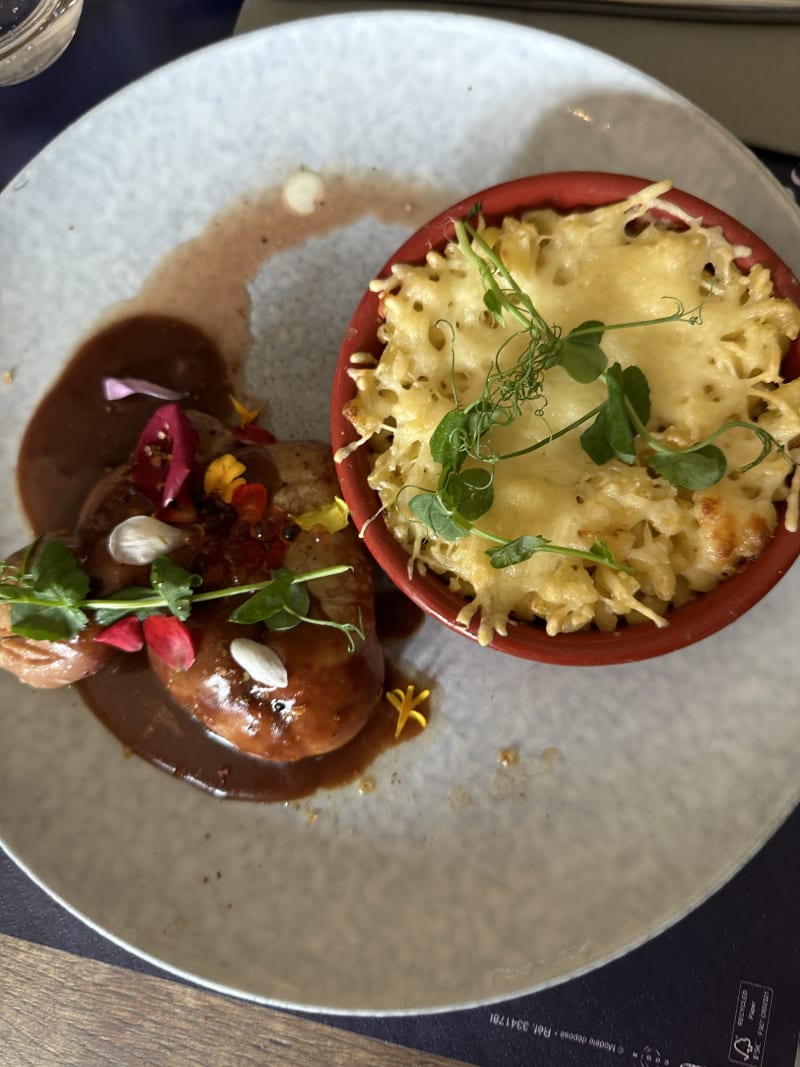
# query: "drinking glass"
33,34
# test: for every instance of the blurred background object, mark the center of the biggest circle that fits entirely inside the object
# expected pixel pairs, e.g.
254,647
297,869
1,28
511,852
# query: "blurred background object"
33,34
735,59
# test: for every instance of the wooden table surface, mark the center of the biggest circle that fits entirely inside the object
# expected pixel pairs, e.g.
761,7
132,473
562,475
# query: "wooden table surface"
60,1010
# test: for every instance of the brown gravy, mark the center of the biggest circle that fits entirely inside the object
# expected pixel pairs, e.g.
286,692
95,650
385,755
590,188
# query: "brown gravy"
72,439
127,698
75,436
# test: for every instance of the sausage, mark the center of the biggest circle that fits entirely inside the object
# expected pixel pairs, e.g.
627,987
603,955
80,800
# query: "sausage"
50,664
331,692
113,498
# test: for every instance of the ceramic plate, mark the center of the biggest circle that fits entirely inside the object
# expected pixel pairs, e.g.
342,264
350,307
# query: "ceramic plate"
637,791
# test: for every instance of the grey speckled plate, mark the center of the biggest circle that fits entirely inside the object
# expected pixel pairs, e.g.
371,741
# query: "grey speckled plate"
638,790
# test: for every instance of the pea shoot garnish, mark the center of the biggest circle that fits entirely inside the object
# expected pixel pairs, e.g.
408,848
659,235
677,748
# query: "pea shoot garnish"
463,445
48,594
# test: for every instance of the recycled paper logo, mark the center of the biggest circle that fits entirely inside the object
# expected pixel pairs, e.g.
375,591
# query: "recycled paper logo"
750,1024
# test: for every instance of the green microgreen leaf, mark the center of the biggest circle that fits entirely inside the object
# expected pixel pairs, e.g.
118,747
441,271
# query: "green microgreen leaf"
280,605
524,547
448,443
580,353
471,492
637,392
46,593
621,416
11,589
175,585
430,509
516,551
595,442
697,469
295,610
494,304
621,434
42,622
480,417
265,602
285,602
55,574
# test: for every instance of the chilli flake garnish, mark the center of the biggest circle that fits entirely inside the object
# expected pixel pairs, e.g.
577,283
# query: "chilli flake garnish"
465,492
406,703
48,594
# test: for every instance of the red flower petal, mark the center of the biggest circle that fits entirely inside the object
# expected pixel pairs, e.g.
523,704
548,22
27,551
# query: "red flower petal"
249,501
170,640
162,460
255,435
125,634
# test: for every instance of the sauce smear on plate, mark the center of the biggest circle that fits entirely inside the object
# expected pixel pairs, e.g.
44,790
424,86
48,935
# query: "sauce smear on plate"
187,329
73,439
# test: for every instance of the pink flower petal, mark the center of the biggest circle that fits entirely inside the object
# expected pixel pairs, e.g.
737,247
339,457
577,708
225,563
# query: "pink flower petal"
170,640
125,634
118,388
162,460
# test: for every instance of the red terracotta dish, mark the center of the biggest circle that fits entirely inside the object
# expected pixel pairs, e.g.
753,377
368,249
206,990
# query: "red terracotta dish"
708,612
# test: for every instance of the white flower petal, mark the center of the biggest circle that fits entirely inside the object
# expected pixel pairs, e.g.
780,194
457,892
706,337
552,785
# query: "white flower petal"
303,192
261,662
141,539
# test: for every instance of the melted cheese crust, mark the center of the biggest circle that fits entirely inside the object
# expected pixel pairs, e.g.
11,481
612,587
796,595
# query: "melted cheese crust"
584,266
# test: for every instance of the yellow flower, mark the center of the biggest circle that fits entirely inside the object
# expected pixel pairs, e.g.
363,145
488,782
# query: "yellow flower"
406,705
332,516
223,476
245,414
